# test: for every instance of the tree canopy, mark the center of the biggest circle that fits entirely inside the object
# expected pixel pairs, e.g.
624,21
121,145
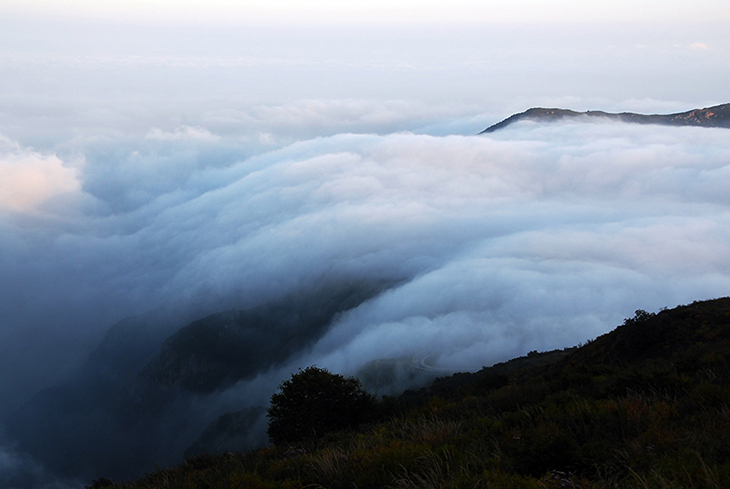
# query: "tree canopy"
313,402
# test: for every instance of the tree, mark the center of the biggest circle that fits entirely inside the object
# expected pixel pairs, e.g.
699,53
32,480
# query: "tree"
315,401
641,316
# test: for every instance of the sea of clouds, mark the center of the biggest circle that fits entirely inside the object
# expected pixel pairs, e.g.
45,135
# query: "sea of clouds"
537,237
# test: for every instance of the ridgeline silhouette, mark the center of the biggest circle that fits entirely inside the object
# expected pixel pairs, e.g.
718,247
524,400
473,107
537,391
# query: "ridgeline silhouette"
717,116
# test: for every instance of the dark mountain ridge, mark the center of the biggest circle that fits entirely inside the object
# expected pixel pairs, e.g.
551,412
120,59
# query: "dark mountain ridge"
716,116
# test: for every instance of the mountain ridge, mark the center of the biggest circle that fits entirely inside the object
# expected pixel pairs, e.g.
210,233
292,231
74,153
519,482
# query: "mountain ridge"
715,116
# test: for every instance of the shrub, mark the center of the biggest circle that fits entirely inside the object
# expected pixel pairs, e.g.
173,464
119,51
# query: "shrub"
314,402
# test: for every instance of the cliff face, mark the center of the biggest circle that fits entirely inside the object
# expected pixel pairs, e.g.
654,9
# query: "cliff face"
717,116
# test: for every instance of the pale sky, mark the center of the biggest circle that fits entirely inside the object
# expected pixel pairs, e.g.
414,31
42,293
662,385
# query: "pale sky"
465,58
378,11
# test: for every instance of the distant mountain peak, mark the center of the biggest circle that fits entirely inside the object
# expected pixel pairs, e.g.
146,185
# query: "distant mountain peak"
716,116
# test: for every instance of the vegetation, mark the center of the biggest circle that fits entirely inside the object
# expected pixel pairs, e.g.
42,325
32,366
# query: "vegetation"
314,402
647,406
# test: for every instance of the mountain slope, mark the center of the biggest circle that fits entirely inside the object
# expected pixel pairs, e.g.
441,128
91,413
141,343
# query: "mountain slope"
218,350
645,405
717,116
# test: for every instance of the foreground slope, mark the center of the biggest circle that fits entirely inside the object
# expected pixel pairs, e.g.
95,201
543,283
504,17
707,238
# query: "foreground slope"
716,116
646,405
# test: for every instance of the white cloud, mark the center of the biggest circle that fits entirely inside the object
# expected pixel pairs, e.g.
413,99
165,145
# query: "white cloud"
629,203
28,179
183,133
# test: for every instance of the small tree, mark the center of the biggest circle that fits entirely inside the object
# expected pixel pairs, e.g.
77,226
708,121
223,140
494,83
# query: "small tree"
641,316
315,401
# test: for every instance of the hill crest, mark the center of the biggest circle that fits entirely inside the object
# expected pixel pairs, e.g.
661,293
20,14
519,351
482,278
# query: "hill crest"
716,116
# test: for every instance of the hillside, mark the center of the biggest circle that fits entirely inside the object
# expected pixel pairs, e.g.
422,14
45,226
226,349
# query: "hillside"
218,350
717,116
646,405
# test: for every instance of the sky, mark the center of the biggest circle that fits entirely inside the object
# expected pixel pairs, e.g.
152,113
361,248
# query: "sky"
327,12
198,156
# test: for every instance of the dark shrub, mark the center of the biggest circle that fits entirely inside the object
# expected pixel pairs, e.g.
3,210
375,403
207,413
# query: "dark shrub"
315,401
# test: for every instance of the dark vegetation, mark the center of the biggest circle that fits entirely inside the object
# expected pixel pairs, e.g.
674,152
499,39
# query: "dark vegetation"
647,405
717,116
315,402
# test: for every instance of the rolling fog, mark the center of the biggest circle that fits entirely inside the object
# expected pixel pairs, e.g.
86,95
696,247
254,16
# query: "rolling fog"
175,173
539,237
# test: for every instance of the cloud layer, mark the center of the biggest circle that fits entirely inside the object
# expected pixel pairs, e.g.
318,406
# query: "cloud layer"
537,237
529,229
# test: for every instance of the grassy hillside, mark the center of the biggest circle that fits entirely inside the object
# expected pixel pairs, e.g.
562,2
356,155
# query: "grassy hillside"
646,405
